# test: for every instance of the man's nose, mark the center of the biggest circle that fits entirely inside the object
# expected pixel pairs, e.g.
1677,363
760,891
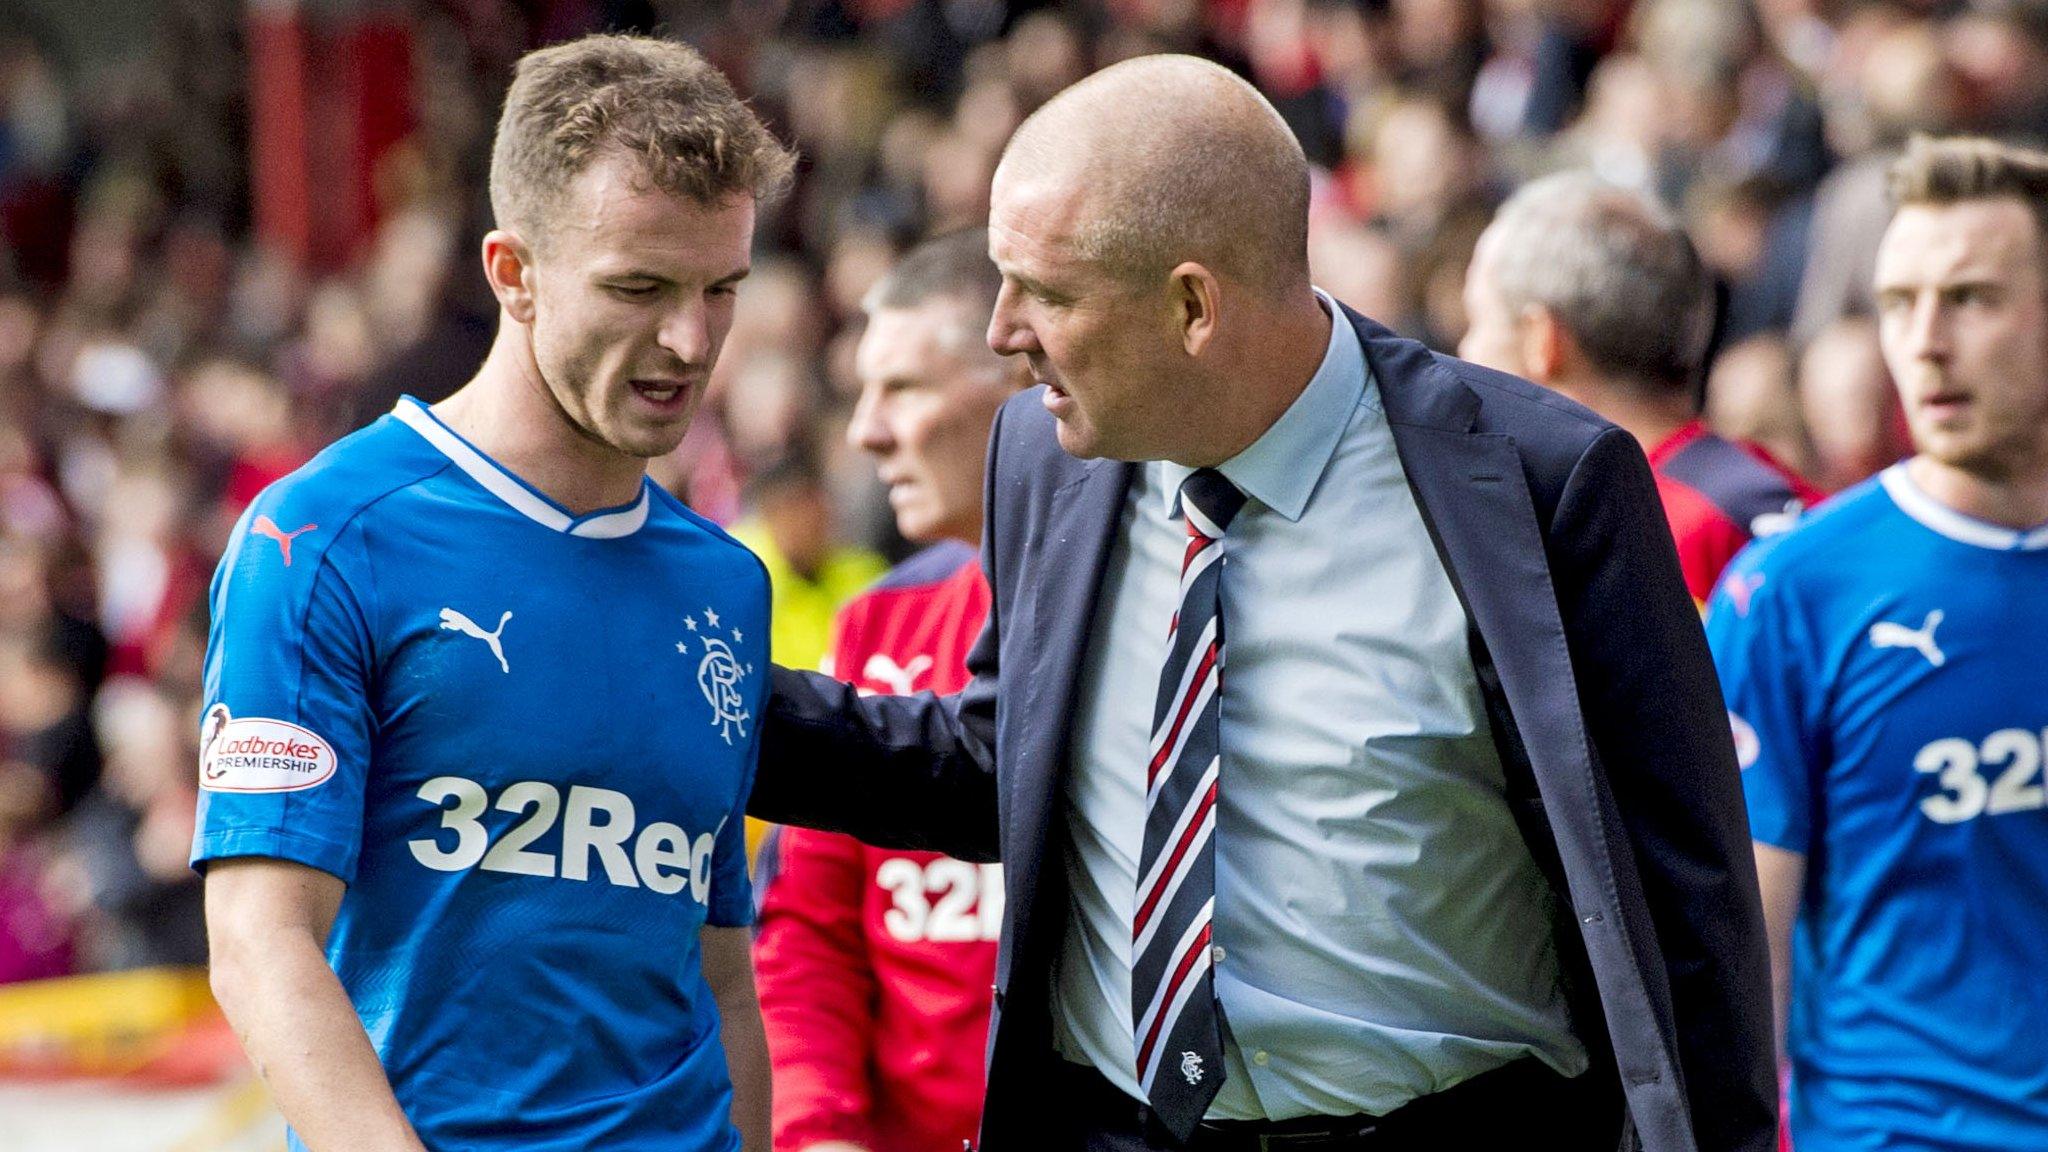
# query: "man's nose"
686,332
1007,333
1928,333
867,430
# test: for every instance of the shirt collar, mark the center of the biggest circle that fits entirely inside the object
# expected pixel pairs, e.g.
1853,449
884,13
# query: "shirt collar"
603,524
1914,501
1281,467
1680,439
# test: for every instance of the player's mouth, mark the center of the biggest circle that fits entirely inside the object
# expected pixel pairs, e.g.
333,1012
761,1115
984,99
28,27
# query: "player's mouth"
664,395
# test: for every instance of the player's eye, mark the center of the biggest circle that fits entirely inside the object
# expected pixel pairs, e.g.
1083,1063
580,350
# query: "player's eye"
634,291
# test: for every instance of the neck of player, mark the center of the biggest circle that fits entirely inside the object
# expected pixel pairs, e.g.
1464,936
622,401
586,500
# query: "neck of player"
509,413
2017,499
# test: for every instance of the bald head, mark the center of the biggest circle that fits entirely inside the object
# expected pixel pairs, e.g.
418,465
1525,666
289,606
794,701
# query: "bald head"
1172,159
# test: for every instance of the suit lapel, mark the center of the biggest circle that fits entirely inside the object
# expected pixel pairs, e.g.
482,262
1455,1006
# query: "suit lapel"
1069,557
1476,503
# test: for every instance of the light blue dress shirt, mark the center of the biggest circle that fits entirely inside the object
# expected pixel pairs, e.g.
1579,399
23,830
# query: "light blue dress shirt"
1381,929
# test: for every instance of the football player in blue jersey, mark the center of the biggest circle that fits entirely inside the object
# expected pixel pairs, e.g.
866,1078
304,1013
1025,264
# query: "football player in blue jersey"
1883,668
481,698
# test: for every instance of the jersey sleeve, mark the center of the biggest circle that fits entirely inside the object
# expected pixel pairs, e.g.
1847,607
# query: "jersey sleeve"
817,987
1764,653
732,892
286,731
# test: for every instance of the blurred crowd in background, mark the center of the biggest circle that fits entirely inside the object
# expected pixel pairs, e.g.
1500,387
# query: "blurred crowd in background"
164,354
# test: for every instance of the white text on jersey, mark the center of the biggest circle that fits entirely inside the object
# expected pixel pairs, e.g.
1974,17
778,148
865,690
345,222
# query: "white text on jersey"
969,904
595,821
1966,794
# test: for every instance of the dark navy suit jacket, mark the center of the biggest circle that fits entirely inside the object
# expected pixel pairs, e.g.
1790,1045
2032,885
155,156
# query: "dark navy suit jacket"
1603,702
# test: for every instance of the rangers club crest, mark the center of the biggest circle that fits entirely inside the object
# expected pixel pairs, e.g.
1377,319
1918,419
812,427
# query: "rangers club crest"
1191,1067
720,674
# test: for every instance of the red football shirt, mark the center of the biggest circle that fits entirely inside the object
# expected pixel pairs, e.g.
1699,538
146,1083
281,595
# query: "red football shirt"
1720,494
875,965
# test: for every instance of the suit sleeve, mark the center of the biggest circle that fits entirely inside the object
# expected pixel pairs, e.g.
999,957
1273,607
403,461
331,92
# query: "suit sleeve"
1660,734
817,987
895,771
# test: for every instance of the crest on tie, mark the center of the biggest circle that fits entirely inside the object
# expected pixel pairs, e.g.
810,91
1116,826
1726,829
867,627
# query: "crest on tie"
1191,1066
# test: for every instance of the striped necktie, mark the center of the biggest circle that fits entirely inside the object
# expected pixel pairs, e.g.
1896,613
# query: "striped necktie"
1173,997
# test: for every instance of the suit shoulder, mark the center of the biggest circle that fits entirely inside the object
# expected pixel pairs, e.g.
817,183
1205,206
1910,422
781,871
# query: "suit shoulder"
1027,436
1529,399
1025,453
1534,415
1420,387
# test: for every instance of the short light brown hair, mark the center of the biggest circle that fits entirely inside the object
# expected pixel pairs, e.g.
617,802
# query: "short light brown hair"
657,101
1951,169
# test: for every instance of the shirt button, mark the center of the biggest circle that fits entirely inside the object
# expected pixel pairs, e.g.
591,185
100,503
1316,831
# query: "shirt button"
1260,1058
1216,954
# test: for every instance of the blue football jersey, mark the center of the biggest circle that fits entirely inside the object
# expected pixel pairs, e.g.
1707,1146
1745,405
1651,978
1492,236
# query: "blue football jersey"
1884,668
525,740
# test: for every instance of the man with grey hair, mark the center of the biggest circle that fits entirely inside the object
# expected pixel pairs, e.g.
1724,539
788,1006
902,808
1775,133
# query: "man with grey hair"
1449,850
1595,291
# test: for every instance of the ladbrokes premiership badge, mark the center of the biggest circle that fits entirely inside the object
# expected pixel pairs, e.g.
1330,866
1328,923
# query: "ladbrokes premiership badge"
720,674
259,754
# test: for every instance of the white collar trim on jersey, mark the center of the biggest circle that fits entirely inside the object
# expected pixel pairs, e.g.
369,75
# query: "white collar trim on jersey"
1941,518
609,524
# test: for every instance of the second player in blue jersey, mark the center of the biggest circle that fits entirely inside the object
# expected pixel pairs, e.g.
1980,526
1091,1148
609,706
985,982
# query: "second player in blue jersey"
1883,663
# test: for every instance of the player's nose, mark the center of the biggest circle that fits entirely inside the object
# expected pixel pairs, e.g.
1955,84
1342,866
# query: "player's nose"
1927,332
686,332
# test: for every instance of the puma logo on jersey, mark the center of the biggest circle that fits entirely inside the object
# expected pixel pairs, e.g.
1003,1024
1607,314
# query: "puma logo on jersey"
265,526
901,679
1885,634
456,622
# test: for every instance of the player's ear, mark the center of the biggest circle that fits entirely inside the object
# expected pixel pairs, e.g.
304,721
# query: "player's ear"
508,265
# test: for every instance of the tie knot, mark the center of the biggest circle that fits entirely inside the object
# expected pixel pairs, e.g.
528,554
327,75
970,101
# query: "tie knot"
1206,495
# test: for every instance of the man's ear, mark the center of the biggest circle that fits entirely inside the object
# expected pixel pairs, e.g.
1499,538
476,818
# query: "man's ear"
1197,303
508,265
1545,344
